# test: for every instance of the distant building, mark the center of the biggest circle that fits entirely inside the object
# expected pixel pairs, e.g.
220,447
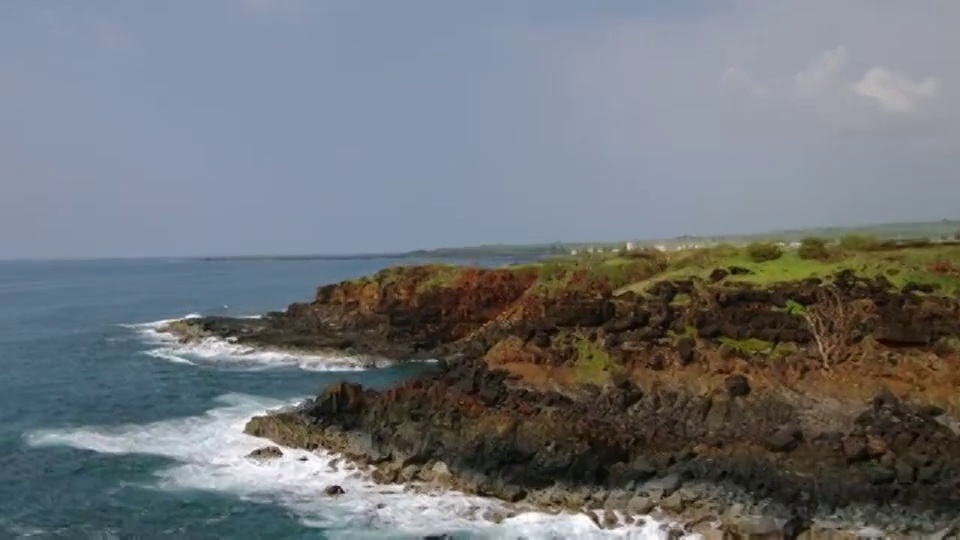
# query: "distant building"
630,246
573,252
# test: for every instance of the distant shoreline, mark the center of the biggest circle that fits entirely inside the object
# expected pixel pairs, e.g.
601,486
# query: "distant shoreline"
945,228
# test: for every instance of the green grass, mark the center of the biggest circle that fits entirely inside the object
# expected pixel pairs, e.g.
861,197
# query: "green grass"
747,347
613,270
899,266
442,276
757,347
593,364
938,265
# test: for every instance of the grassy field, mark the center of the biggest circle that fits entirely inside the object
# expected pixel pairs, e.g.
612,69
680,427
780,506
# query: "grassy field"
938,265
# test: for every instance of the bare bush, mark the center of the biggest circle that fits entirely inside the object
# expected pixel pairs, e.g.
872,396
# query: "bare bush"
836,323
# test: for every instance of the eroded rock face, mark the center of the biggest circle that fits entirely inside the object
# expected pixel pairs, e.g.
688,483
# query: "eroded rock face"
509,442
440,312
640,404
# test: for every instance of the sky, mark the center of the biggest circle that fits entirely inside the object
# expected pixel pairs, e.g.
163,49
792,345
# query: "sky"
141,128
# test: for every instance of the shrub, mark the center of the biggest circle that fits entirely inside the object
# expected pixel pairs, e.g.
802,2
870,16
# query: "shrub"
763,252
813,248
857,242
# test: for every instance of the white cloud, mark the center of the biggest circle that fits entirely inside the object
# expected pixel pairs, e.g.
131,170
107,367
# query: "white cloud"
830,90
737,79
822,74
773,101
895,92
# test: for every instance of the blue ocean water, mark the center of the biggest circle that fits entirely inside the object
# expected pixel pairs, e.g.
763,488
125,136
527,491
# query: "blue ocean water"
107,431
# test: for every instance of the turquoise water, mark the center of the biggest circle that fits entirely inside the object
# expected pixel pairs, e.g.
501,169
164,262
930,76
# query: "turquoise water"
109,431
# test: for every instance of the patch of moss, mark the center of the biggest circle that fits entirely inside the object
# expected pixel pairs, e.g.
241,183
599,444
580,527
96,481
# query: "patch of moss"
795,308
689,331
947,345
747,347
441,276
593,365
784,350
681,299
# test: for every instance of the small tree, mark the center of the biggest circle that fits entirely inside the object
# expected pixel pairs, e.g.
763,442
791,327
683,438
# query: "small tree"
835,323
813,248
764,251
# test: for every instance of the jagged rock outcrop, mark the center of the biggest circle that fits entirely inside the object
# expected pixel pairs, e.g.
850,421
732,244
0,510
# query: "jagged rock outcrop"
799,400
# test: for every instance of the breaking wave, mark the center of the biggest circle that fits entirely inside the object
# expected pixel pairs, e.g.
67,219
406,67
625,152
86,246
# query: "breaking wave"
210,453
218,352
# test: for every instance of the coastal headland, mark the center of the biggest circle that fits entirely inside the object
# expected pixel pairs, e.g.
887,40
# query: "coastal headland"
747,391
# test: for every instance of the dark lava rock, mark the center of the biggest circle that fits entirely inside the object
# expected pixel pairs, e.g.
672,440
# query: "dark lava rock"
267,452
905,473
785,439
931,411
795,526
878,474
854,449
912,286
669,484
739,271
334,490
718,274
657,363
737,385
686,350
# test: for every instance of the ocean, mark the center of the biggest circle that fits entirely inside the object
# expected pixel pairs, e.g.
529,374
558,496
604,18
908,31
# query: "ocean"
109,429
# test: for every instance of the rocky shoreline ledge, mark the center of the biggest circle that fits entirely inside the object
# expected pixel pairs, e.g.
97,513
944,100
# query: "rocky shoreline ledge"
823,407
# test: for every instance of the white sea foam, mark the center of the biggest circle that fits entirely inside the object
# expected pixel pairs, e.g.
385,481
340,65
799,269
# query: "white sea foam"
210,451
221,352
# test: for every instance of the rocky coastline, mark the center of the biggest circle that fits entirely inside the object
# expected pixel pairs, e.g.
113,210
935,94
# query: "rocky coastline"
814,408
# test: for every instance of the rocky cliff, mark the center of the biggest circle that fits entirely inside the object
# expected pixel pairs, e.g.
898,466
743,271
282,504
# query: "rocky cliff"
770,408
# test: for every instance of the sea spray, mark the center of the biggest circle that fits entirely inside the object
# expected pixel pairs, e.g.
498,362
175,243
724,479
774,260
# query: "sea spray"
210,453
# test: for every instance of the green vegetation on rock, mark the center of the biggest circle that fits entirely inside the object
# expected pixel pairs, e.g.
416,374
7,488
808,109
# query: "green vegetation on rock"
813,248
757,347
442,276
760,252
593,364
937,265
920,263
746,347
587,271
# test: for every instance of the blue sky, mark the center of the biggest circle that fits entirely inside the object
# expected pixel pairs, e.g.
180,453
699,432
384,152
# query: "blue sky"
132,128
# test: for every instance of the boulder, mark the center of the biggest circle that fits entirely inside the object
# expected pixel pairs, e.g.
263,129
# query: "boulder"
333,491
737,385
267,452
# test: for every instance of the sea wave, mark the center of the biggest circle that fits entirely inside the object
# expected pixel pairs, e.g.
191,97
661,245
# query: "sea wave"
218,352
210,453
